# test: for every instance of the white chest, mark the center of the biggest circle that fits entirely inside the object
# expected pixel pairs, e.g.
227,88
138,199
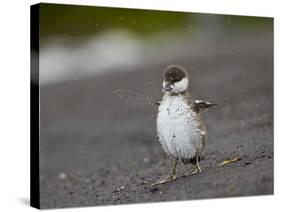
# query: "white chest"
178,127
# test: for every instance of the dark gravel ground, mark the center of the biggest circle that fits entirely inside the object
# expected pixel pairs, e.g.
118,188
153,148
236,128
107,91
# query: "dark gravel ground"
99,149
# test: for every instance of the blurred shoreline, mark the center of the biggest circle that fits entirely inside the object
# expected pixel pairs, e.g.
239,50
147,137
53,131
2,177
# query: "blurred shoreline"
116,51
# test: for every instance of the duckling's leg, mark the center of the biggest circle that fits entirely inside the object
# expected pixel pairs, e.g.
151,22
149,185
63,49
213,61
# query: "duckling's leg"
172,176
197,170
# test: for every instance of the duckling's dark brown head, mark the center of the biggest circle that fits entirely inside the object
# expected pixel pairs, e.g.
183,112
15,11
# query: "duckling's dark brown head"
175,79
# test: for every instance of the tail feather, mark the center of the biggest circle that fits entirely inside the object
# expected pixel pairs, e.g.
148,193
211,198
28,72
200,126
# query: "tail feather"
192,160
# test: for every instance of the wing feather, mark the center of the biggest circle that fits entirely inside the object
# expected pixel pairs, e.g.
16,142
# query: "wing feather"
200,105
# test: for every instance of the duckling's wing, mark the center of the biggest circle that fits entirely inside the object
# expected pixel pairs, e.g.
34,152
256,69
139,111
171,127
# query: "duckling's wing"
200,105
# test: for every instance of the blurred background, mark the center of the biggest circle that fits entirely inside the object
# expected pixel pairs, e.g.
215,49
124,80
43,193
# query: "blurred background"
78,41
100,73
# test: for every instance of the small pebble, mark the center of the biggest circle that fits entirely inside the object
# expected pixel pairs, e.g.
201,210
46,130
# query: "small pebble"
146,159
62,176
247,163
119,189
154,189
143,182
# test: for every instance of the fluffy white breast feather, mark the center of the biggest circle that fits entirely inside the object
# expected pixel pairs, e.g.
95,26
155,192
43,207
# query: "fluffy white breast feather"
179,127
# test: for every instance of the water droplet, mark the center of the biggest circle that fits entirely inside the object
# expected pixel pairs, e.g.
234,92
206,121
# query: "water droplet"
243,123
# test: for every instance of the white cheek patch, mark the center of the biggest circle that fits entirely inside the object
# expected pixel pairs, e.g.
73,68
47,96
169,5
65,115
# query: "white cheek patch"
164,84
180,86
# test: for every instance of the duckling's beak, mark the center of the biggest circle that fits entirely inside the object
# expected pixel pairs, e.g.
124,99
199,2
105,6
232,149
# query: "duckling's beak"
167,86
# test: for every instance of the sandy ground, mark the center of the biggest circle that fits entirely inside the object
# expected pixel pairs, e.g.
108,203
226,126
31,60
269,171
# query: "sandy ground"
99,149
